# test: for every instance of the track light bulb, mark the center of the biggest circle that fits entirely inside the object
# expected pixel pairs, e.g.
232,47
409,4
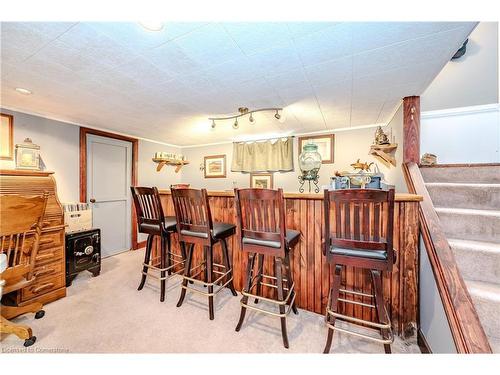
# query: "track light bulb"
213,124
251,119
235,125
277,115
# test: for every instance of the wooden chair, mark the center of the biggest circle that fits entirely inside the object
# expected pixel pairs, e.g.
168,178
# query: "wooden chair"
359,233
261,219
20,227
152,221
195,226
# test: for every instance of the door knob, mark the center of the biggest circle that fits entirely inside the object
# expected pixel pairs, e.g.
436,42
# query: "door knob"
92,200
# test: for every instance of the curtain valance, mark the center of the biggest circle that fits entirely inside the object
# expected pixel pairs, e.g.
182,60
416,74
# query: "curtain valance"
263,156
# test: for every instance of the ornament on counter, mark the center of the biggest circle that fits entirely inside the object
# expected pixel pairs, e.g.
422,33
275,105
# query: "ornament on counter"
428,159
362,166
309,164
27,155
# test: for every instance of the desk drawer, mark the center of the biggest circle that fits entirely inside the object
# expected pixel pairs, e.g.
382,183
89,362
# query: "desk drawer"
42,286
50,239
49,255
51,269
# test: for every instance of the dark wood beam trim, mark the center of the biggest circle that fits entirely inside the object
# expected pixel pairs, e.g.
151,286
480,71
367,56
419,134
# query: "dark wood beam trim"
83,168
411,129
466,329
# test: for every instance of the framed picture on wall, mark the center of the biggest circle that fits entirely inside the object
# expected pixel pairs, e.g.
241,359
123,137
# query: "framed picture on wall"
261,180
326,145
6,137
215,166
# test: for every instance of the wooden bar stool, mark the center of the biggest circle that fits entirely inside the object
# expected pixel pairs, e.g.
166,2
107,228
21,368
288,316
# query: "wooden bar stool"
358,233
152,221
261,218
195,226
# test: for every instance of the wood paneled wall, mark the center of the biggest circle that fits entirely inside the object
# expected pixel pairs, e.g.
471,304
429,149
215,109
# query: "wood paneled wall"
311,273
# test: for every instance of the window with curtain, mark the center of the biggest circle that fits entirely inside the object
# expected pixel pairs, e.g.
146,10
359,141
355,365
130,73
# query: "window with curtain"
263,156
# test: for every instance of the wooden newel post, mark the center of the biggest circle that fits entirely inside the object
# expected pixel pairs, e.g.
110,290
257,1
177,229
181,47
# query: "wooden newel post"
411,129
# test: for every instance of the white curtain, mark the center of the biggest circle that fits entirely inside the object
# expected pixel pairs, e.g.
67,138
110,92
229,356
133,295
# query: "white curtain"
263,156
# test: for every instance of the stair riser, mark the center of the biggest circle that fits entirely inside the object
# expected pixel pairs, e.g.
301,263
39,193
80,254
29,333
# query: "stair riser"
488,311
480,198
485,175
478,265
471,227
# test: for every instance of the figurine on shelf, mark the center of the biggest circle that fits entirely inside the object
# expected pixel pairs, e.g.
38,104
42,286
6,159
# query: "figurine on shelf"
362,166
380,137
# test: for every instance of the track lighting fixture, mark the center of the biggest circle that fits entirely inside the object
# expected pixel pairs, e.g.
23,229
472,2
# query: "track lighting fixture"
243,111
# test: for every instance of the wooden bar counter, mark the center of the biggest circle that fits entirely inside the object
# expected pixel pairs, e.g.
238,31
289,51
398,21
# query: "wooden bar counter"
311,273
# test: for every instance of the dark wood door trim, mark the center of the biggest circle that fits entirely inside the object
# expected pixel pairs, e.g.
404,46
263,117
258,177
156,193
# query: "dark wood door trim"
411,129
83,167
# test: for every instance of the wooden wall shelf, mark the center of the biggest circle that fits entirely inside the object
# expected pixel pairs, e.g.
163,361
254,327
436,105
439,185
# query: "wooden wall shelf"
177,163
384,152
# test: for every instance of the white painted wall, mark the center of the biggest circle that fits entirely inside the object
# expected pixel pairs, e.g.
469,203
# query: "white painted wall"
470,80
349,146
462,135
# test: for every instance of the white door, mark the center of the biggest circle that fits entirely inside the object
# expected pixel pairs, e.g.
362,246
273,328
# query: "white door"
109,176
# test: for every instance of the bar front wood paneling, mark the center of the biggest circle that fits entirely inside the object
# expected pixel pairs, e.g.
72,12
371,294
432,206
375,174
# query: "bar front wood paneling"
311,273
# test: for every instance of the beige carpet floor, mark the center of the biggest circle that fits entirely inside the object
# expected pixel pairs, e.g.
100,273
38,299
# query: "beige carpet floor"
107,314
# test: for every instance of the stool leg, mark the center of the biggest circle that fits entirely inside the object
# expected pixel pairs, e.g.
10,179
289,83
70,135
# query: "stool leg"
246,288
187,271
379,302
209,268
168,253
229,265
334,296
289,278
147,256
163,261
279,284
260,266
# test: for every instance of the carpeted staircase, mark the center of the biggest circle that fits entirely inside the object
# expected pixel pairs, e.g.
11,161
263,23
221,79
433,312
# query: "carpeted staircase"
467,200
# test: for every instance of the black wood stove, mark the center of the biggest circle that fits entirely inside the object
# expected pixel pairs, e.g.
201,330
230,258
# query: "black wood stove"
83,253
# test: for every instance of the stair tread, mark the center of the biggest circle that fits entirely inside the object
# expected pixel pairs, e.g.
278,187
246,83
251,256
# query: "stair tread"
492,247
464,184
468,211
490,291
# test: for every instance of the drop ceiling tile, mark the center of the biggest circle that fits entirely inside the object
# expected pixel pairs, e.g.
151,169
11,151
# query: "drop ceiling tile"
330,71
252,37
233,72
300,29
171,58
95,45
209,45
328,44
144,72
277,60
133,34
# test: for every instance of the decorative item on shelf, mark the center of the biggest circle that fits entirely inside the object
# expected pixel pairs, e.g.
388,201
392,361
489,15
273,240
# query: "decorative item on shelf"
244,111
261,180
6,137
362,177
428,159
325,143
309,164
383,148
167,158
215,166
27,155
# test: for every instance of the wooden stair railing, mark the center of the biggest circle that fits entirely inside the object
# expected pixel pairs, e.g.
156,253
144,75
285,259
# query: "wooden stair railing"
466,329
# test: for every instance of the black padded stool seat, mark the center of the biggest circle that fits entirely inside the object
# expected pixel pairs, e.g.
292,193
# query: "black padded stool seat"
219,231
291,238
170,226
370,254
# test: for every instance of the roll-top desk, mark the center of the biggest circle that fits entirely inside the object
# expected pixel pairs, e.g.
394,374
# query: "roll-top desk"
49,263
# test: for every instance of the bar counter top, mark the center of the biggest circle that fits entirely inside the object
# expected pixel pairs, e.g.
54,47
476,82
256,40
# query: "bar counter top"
399,197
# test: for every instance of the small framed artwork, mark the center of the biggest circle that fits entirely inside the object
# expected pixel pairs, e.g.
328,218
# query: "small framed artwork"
215,166
261,180
6,137
326,145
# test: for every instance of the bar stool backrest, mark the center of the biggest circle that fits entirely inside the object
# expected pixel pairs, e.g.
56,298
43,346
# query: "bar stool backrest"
360,219
192,211
261,217
148,208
